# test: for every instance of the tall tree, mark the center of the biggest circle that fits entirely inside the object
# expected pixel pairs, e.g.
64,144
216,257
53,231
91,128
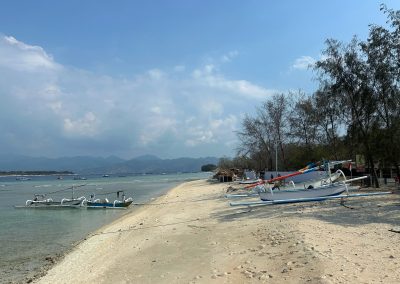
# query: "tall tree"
382,50
328,119
256,141
345,72
303,121
277,111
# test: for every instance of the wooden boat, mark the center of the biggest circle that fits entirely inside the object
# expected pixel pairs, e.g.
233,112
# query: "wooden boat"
22,178
106,204
291,186
309,168
40,201
314,199
44,202
249,181
327,190
331,189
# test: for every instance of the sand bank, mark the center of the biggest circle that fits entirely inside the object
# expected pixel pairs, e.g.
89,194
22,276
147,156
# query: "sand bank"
191,235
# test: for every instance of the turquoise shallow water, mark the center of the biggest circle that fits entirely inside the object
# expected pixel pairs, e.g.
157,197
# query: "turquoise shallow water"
28,237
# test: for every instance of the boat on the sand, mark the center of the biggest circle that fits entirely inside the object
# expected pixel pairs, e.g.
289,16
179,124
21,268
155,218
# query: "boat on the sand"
327,190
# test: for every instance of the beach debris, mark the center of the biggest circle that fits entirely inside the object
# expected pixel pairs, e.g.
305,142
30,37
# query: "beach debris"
50,259
231,188
395,230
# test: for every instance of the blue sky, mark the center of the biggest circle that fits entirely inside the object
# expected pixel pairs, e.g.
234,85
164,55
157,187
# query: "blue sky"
170,78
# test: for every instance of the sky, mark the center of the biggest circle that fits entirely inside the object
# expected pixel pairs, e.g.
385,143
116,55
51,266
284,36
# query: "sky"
168,78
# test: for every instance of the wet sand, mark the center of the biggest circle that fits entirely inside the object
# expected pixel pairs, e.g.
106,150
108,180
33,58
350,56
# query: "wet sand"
192,235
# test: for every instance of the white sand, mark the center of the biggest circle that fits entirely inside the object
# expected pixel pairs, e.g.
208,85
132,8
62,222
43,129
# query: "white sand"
192,235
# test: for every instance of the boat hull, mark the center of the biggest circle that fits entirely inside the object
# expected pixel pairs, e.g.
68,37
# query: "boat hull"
324,191
50,204
108,205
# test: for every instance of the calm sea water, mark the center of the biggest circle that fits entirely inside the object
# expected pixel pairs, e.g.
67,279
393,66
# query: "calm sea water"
29,236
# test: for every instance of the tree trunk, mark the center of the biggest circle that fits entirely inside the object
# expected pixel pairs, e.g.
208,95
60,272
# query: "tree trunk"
373,171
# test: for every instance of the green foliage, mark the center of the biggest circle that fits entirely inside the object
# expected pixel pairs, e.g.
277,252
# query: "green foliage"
358,96
208,168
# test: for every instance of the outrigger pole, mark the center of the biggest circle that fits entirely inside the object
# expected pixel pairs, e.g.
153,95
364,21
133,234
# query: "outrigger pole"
298,200
304,170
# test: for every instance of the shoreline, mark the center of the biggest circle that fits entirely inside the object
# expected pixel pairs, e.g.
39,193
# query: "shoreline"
191,235
53,260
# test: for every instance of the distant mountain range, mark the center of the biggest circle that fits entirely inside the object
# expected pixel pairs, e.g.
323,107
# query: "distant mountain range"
109,165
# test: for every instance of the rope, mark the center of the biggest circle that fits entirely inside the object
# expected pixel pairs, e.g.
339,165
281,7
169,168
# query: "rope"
174,223
180,201
152,226
342,201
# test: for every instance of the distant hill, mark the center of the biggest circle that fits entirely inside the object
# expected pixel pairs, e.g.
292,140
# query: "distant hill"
155,165
98,165
75,164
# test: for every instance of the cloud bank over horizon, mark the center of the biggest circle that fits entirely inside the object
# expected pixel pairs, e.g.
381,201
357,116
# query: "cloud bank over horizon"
55,110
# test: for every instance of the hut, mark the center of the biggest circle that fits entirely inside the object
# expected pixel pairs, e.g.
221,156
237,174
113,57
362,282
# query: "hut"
225,175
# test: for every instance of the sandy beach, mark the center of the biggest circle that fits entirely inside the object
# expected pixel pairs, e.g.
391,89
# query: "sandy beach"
192,235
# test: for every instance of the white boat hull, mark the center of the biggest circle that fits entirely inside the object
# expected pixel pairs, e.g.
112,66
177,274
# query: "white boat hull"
323,191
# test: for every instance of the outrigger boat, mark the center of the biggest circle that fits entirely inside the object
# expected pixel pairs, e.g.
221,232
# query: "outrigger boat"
106,204
289,187
311,199
309,168
327,192
276,183
40,201
249,177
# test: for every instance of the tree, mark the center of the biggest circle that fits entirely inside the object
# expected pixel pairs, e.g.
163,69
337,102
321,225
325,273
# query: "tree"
303,121
260,134
382,50
345,72
277,112
256,141
208,168
358,95
328,120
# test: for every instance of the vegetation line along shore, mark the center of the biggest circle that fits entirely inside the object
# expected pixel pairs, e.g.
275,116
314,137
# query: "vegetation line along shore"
355,112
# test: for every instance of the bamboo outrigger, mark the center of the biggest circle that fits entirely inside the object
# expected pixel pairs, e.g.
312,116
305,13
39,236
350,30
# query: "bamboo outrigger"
298,200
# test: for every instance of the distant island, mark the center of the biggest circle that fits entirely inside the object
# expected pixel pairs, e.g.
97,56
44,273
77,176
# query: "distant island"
84,165
34,173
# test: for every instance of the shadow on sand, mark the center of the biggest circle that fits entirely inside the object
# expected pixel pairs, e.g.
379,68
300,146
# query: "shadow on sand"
352,212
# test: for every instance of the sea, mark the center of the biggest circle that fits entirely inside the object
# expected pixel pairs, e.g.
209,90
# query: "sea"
31,239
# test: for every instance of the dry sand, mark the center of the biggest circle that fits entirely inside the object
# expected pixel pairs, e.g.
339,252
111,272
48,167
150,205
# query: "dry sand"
192,235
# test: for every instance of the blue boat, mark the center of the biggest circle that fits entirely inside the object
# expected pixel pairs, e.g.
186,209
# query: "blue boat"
106,204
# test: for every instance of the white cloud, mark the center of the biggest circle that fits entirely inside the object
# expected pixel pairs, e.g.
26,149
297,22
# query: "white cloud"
23,57
303,62
85,126
168,113
229,56
215,131
208,77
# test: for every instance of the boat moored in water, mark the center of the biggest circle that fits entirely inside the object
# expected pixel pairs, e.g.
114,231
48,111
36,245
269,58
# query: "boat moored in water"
122,203
40,201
